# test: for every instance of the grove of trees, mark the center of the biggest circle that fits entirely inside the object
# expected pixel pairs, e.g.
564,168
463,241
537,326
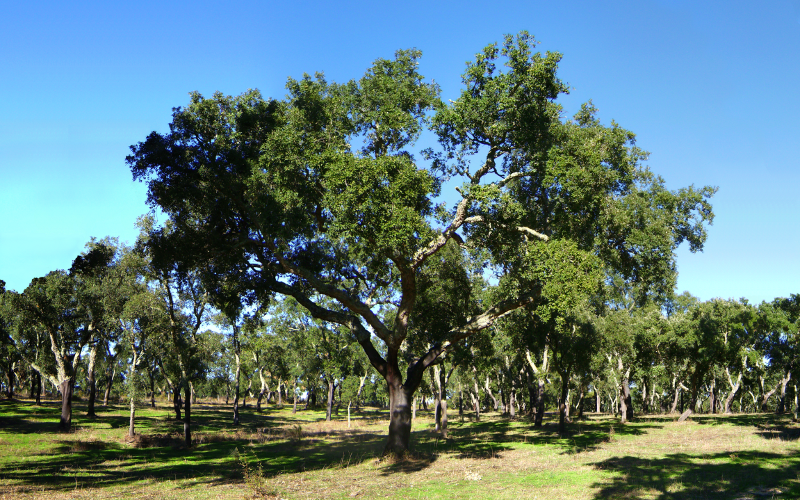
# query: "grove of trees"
522,263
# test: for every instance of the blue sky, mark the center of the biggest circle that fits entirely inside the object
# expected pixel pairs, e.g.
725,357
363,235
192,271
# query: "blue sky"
710,89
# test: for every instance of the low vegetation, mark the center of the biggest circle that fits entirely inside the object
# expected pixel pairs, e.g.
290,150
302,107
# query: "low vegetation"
277,454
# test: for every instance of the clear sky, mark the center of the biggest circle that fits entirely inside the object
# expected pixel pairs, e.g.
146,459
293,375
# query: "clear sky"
710,88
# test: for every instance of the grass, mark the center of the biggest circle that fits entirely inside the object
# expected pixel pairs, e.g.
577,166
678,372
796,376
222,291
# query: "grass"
275,454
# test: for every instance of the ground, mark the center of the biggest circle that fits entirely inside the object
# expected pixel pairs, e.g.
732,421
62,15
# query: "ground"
275,454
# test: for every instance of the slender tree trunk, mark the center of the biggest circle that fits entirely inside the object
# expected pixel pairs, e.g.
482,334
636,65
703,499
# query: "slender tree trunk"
562,404
187,421
596,399
765,399
177,402
109,383
294,397
91,381
580,403
329,403
539,405
732,394
236,383
489,392
361,382
782,401
280,394
645,403
437,412
796,401
10,374
476,396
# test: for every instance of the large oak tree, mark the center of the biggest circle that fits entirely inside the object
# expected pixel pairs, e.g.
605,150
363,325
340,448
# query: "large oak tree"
320,196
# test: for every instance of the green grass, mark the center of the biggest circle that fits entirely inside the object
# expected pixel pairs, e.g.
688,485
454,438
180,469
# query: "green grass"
275,454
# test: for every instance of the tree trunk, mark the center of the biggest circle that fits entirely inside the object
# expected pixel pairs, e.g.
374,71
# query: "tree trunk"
562,404
437,412
294,397
90,381
796,401
539,405
766,397
732,394
489,392
399,413
236,384
131,431
109,383
38,381
626,394
596,399
10,374
362,380
623,405
712,404
782,401
66,387
187,421
329,403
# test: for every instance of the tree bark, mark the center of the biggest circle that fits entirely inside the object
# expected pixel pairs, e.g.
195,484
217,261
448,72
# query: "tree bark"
236,382
187,421
562,404
732,394
109,383
329,402
489,392
294,397
399,414
66,387
91,381
782,401
10,375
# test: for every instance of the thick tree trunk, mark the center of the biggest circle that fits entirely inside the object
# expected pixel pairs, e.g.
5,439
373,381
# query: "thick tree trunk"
512,411
66,387
91,381
399,414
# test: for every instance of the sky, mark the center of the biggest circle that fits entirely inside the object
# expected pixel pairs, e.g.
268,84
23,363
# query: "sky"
709,88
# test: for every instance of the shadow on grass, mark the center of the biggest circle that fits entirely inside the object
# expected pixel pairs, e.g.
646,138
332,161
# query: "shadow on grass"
744,475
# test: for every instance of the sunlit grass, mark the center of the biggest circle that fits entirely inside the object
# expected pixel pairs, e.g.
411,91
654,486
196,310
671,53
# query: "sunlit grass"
277,454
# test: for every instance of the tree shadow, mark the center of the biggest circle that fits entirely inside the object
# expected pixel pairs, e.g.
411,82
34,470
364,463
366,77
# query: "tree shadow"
743,475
